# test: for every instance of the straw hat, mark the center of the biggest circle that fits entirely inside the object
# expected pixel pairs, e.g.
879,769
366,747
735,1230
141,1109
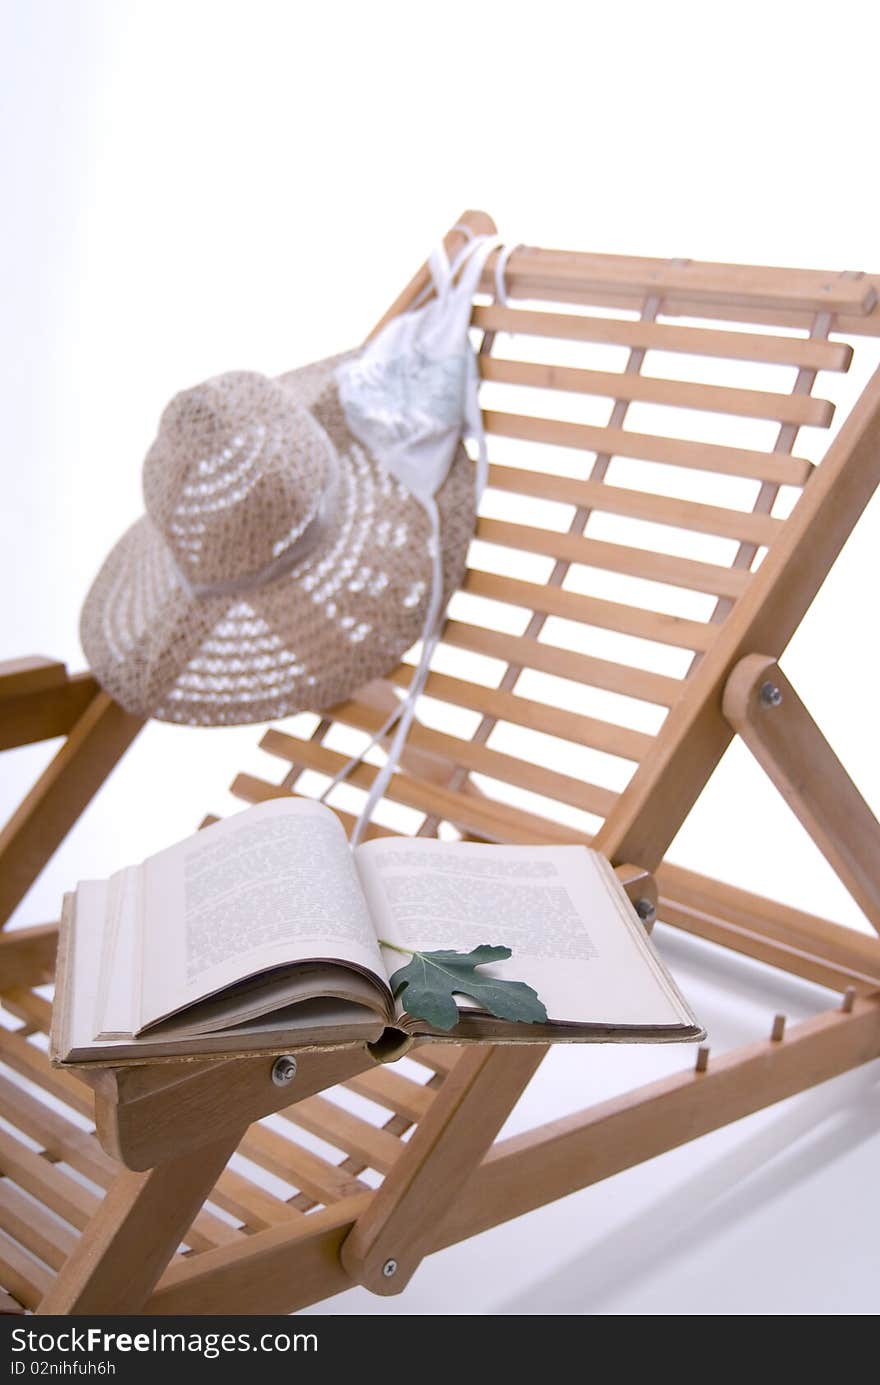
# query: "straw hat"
279,566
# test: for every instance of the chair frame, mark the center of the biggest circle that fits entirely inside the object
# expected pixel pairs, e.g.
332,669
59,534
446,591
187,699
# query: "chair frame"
173,1126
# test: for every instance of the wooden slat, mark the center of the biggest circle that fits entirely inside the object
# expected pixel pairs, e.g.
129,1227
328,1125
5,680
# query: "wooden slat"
250,789
564,663
508,769
24,1277
288,1160
802,410
390,1089
27,1222
32,1063
375,1147
481,816
649,447
60,1140
538,716
803,352
67,1197
863,324
27,955
846,324
76,1204
591,610
29,1006
666,568
208,1230
67,1143
252,1205
656,509
532,271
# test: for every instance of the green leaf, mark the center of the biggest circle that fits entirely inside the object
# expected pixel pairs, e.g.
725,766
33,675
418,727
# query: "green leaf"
431,980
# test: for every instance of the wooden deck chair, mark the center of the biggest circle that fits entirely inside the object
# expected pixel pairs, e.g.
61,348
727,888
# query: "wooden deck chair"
150,1215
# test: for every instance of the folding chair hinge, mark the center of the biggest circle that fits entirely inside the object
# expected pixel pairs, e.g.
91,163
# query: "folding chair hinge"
641,888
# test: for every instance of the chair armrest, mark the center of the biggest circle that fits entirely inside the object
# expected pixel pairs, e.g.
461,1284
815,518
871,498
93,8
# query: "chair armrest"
40,700
31,674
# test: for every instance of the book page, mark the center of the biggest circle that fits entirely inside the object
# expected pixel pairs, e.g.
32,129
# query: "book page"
79,987
120,960
274,885
323,1022
557,908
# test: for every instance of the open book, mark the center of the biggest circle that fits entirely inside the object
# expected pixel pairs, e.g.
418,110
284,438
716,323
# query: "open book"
263,931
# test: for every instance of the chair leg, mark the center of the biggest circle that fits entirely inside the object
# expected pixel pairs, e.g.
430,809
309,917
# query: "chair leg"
388,1242
763,707
134,1234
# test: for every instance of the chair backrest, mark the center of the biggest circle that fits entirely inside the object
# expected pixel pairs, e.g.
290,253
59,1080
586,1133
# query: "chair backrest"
655,510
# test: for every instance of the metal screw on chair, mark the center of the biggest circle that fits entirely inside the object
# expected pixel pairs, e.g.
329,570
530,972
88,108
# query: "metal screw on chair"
646,910
770,694
389,1268
284,1070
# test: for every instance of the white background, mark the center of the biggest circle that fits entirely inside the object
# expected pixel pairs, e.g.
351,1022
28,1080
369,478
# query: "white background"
191,187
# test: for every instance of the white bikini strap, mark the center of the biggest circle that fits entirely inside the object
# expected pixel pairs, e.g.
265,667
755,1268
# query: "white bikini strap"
430,636
440,269
458,278
500,271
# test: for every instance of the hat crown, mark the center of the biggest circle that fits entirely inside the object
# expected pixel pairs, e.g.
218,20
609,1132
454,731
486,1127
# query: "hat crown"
235,475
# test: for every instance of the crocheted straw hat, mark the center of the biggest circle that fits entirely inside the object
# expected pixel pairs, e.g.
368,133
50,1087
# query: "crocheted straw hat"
279,566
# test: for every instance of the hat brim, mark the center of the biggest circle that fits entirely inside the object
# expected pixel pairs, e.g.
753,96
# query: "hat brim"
346,614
